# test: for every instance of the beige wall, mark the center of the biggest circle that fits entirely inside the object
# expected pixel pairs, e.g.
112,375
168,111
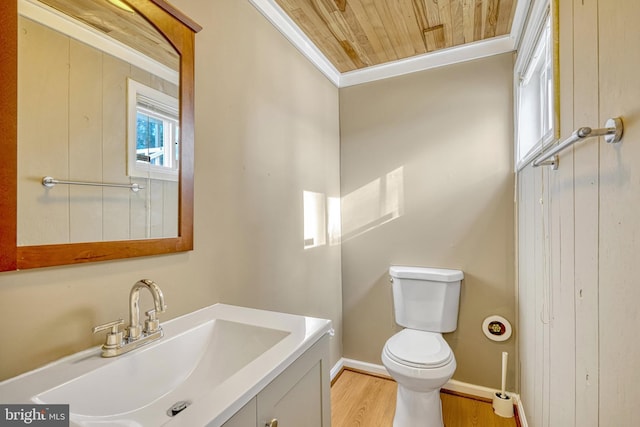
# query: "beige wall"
266,130
426,169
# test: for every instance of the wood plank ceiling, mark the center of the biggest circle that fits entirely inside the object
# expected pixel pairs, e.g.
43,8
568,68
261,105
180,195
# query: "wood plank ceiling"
355,34
127,27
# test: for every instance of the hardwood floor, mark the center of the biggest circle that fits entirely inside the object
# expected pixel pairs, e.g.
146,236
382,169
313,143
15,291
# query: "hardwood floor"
360,400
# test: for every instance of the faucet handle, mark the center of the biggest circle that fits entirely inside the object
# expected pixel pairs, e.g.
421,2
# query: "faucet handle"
114,337
113,325
152,324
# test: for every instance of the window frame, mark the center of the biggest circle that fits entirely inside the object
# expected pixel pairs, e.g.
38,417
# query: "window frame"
543,15
162,107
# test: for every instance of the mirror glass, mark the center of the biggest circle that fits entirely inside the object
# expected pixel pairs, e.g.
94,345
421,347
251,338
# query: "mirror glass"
98,125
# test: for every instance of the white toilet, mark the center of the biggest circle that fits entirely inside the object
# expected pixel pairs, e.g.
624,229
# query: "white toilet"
425,302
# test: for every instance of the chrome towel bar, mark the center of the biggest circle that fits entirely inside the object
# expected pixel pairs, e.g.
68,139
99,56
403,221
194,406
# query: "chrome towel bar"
612,133
49,182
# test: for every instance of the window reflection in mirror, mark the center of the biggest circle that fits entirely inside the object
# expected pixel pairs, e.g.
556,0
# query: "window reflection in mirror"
153,133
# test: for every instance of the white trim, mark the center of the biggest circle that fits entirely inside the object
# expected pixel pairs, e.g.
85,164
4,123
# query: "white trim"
519,20
451,385
531,30
293,33
472,389
440,58
467,52
531,38
369,368
337,368
58,21
521,416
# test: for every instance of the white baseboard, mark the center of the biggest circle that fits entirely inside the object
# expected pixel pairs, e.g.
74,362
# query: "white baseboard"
337,368
369,368
521,417
451,385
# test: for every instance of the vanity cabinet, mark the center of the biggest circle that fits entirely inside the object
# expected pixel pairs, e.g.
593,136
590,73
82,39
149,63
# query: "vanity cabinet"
298,397
245,417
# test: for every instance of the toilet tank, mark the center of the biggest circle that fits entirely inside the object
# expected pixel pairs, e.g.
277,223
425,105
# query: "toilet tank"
426,299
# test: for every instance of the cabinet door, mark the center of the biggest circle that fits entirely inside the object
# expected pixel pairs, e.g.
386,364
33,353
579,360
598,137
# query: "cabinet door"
299,397
245,417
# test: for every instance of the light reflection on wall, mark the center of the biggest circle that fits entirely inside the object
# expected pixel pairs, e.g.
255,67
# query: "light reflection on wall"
321,219
333,210
315,229
368,207
373,204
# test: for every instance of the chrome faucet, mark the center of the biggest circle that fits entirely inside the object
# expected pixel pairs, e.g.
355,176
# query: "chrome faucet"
117,343
134,331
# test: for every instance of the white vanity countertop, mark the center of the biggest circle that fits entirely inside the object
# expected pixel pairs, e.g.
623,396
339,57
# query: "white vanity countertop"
227,399
211,405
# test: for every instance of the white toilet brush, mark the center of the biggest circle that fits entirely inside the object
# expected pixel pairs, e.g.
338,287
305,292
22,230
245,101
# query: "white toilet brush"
502,403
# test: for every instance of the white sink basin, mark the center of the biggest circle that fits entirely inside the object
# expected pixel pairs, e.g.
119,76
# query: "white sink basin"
204,356
215,359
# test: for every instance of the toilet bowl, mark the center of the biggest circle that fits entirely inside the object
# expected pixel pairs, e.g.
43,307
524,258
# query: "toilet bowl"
421,363
426,302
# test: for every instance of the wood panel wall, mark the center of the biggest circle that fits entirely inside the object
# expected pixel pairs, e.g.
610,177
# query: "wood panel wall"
578,234
619,215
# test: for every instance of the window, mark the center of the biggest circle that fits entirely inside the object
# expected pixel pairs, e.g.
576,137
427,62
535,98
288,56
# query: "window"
535,93
153,139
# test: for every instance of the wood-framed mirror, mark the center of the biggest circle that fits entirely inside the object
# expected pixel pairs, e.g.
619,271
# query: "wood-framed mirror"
18,249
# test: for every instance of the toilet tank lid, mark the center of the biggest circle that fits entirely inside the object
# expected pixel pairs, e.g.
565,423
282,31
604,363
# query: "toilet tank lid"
425,273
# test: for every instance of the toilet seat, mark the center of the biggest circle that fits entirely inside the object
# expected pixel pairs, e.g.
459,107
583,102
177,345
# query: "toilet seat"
418,349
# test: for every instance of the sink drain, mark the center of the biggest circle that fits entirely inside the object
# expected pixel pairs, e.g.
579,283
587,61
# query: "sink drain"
178,407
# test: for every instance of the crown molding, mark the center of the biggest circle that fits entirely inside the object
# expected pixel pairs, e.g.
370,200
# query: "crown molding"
440,58
293,33
495,46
